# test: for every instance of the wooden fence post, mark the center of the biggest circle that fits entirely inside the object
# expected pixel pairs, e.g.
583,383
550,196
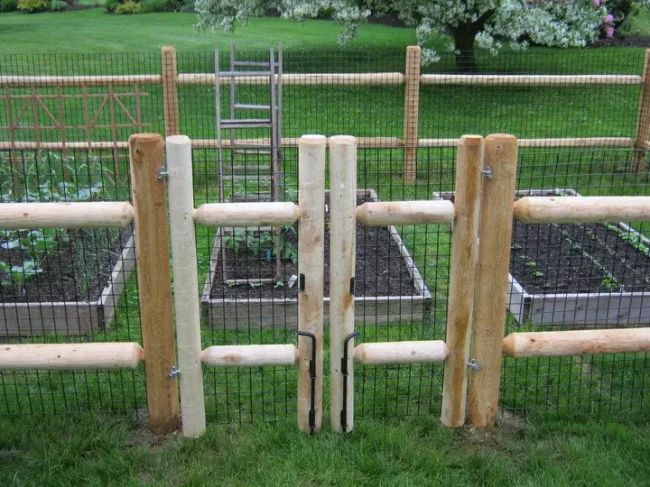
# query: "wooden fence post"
342,229
186,283
464,256
170,92
491,294
154,285
311,231
643,118
411,111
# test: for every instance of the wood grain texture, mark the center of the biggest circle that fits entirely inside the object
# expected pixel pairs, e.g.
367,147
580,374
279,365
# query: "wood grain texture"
311,231
464,258
186,282
149,195
170,92
387,213
582,209
342,224
576,342
490,298
249,355
89,214
411,111
407,352
643,119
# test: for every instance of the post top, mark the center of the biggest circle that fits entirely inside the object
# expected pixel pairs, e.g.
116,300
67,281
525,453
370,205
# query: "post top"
178,140
343,140
470,140
145,137
501,137
313,139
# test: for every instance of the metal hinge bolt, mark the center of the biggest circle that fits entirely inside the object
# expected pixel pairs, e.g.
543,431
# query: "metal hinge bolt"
163,174
487,172
473,364
173,372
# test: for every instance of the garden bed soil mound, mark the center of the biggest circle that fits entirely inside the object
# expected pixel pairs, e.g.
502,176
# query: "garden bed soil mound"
576,258
77,270
380,269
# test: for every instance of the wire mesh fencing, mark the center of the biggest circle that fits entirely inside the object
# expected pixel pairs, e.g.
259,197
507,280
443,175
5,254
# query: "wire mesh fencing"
402,274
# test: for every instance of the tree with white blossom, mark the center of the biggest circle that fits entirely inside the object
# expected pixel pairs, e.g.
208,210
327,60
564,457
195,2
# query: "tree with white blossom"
486,23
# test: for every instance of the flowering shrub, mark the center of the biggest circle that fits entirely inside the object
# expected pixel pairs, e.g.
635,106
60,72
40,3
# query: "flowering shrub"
491,23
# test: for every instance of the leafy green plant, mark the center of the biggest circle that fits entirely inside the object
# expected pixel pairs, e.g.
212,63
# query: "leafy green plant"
128,7
58,5
609,283
8,5
33,6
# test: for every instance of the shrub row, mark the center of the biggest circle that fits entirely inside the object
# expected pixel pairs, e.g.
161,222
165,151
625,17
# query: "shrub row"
147,6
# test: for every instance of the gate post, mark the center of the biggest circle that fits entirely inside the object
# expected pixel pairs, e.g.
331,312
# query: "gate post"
186,284
149,195
311,230
342,230
464,256
491,294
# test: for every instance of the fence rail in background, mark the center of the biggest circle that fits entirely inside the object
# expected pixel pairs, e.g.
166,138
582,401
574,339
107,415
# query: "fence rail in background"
170,80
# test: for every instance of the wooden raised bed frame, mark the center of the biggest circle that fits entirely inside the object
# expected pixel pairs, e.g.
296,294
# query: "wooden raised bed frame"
260,312
581,309
70,317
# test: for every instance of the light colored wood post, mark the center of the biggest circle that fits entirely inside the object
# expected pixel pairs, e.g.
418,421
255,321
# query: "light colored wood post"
311,230
643,118
342,229
170,92
186,284
411,111
491,294
154,284
464,256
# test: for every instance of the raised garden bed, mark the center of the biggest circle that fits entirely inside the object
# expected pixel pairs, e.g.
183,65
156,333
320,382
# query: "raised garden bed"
578,274
388,286
77,290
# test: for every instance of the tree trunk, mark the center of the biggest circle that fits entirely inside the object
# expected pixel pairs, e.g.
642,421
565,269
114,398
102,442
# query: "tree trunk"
464,36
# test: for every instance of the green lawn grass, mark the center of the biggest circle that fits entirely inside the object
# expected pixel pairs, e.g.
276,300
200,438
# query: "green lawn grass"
101,450
61,445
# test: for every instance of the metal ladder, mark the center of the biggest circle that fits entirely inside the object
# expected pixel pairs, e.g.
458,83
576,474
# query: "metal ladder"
251,172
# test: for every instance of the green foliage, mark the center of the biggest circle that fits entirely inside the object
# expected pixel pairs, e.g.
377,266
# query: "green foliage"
8,5
161,5
111,5
58,5
41,182
241,241
127,8
33,6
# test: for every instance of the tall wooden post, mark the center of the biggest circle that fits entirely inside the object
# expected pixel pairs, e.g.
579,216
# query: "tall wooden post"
342,229
411,111
170,92
464,257
149,195
186,284
643,118
491,294
311,231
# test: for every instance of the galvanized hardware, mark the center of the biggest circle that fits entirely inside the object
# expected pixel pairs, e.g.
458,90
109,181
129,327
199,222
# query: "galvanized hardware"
345,373
173,372
163,174
487,172
312,376
473,364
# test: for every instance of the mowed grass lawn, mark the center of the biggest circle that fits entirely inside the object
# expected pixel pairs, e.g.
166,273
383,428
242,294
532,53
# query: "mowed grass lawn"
78,449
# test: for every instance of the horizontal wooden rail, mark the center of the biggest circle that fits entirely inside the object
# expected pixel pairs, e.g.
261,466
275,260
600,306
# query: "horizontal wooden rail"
401,352
83,80
319,79
95,214
109,355
291,142
576,342
249,355
247,214
298,79
582,209
554,80
405,212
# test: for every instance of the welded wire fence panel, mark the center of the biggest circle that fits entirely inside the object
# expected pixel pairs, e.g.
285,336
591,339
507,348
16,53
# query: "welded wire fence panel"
578,276
67,286
247,279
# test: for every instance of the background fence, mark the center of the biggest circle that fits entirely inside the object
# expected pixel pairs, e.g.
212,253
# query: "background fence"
546,259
